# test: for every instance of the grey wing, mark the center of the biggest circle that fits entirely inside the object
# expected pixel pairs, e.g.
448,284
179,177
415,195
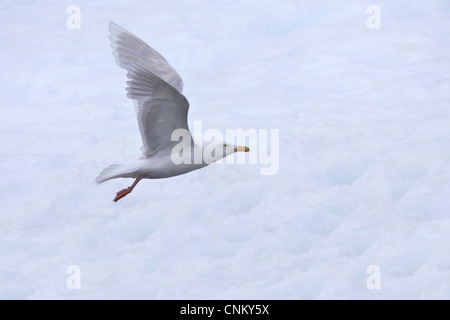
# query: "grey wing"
160,109
129,49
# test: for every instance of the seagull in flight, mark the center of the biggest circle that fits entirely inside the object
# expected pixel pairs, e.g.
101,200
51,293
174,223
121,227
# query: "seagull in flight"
161,109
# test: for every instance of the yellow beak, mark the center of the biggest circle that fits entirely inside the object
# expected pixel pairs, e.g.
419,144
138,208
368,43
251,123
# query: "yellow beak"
241,149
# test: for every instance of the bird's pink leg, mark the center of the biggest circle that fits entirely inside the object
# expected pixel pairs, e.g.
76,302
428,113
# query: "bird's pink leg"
122,193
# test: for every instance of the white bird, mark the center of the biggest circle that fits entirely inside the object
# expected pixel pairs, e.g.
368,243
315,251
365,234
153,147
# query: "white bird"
161,108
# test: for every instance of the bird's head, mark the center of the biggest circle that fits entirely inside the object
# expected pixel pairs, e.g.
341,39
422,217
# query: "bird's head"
229,148
214,151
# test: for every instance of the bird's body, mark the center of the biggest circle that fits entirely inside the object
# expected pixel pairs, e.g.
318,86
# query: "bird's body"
161,109
155,167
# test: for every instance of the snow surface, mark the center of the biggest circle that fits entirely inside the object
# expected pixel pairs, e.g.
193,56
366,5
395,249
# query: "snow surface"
364,152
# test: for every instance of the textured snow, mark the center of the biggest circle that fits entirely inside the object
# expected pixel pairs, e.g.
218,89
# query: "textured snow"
364,152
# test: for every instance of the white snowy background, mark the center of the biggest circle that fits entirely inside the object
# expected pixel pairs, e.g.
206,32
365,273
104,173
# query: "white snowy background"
364,176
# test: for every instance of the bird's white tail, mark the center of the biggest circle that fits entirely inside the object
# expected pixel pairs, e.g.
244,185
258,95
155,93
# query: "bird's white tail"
111,172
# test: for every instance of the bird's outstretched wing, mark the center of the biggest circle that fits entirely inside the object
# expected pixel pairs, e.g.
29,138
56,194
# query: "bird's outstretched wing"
161,109
155,88
129,49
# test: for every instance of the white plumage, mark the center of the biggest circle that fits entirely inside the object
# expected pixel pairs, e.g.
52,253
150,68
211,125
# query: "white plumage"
157,93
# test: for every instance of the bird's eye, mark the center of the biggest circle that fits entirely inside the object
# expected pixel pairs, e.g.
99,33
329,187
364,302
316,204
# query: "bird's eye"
225,145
